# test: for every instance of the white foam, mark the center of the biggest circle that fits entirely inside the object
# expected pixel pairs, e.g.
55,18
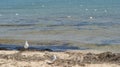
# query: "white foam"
86,9
105,11
91,17
69,16
16,14
0,14
33,3
43,6
95,9
81,5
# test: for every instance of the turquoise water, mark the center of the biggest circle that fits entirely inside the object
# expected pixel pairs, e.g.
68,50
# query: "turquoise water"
95,21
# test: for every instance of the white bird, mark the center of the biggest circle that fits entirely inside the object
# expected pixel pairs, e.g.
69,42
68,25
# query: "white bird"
26,45
53,59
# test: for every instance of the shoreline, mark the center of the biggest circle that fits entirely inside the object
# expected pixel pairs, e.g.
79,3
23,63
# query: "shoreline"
105,48
68,58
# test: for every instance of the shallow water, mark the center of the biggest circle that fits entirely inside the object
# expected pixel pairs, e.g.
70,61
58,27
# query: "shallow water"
41,48
86,21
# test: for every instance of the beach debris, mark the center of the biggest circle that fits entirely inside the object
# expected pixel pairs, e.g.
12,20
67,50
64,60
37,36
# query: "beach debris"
26,45
81,58
53,59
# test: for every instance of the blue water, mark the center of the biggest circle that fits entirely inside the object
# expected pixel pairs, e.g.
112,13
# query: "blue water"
41,47
98,20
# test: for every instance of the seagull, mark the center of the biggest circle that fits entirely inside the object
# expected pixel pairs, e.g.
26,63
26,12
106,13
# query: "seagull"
26,45
53,59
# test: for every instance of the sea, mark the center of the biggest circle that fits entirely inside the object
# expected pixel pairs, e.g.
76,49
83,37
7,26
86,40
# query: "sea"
84,21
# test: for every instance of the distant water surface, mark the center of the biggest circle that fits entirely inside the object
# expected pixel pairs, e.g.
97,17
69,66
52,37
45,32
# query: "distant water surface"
88,21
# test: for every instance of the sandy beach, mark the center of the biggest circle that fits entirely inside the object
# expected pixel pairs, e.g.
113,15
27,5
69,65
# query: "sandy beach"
74,58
